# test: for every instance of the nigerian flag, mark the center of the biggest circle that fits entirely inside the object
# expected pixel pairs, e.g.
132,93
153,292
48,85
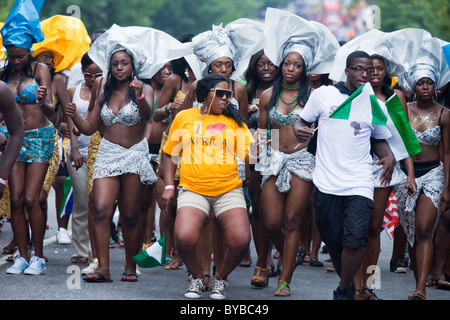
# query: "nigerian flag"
153,256
361,106
67,203
403,142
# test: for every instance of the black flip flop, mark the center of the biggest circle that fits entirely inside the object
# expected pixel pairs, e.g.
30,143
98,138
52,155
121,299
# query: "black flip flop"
125,277
100,278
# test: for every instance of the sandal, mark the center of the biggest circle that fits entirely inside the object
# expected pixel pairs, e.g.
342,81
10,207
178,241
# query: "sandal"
283,289
301,256
129,277
176,261
260,277
430,283
8,250
167,262
96,277
442,284
315,262
120,239
417,295
370,295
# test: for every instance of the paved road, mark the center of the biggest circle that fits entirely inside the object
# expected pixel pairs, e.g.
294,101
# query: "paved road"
62,280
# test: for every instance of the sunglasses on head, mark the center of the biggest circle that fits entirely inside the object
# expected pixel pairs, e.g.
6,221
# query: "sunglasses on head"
223,92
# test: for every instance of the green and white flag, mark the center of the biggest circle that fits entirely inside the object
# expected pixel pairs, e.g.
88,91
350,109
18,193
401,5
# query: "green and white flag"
361,106
153,256
403,142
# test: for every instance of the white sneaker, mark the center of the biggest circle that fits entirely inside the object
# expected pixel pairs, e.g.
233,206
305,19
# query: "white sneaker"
218,289
19,266
62,236
37,266
195,289
91,268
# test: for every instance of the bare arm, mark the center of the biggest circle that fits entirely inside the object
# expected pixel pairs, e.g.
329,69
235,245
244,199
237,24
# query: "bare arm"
14,123
445,128
44,94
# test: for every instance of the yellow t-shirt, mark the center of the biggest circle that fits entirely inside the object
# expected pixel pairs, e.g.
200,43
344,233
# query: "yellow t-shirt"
207,145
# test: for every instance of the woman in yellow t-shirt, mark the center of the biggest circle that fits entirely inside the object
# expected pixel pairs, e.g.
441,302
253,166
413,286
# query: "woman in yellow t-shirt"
206,139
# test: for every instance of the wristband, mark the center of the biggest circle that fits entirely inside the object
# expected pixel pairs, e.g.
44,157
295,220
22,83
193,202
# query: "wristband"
41,104
170,186
3,181
141,97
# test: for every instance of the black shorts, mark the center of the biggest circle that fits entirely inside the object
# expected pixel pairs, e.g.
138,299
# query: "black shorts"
342,220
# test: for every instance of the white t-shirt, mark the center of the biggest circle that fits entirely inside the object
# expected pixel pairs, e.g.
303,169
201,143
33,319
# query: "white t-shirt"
343,160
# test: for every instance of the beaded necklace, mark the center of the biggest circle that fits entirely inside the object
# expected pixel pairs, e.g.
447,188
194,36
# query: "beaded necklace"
294,102
286,117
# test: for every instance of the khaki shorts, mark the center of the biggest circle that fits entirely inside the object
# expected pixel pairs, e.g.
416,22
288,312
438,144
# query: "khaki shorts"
230,200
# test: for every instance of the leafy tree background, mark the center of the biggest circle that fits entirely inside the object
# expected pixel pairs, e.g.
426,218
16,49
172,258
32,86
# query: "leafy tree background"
431,15
194,16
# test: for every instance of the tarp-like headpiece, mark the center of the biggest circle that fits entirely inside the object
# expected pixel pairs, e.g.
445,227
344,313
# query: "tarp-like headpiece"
239,40
150,48
399,49
22,27
430,63
286,32
66,38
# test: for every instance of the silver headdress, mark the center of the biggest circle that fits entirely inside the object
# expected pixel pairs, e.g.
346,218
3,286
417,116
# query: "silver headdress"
286,32
399,49
239,40
150,48
430,63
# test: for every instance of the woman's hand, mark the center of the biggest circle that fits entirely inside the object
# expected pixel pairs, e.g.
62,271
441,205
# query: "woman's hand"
76,158
411,186
138,86
70,110
167,198
41,94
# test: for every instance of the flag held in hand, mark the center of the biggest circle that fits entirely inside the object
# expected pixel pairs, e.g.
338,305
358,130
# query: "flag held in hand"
153,256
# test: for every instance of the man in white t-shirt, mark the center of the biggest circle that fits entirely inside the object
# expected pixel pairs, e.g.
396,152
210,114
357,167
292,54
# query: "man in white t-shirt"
343,172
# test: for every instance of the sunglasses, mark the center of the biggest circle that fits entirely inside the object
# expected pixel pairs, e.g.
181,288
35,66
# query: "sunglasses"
90,75
223,92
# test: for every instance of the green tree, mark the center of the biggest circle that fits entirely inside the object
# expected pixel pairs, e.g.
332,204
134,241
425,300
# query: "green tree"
194,16
428,15
101,14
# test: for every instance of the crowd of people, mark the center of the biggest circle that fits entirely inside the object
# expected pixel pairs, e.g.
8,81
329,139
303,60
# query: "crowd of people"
220,131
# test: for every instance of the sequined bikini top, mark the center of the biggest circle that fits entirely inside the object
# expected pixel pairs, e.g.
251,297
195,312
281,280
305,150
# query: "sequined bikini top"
431,136
128,115
280,120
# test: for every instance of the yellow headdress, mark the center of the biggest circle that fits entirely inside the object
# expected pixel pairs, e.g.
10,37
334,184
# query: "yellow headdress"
66,38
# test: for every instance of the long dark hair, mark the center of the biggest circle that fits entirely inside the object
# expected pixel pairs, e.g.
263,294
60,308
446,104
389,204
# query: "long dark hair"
205,85
111,84
251,77
277,87
8,69
387,81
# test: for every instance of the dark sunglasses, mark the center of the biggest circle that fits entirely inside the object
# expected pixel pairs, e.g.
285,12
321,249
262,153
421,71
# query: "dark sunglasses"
223,92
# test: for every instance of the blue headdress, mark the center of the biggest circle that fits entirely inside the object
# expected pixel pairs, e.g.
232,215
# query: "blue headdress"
22,28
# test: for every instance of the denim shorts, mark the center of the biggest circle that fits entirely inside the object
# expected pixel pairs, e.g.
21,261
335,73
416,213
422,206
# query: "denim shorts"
342,221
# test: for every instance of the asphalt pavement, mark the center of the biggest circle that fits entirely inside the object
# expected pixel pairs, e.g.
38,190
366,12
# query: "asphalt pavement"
62,280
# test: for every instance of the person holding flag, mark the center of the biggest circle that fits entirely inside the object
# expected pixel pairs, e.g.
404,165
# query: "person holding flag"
351,122
389,58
